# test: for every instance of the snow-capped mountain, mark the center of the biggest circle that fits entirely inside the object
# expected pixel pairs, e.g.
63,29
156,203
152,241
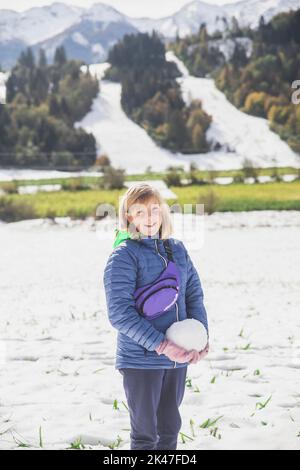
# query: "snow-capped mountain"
248,12
38,23
88,40
188,19
88,33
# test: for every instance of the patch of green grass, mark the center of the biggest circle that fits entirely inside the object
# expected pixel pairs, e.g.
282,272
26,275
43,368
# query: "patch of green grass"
261,406
246,348
244,197
115,405
82,204
210,423
184,437
75,204
116,443
40,437
77,444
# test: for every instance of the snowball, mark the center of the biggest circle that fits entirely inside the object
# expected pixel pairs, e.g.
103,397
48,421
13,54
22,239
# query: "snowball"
188,334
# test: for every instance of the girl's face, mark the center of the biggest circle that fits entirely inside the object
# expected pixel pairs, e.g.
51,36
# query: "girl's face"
146,217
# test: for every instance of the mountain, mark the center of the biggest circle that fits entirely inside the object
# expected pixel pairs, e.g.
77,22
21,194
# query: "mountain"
39,23
248,12
188,19
88,33
90,38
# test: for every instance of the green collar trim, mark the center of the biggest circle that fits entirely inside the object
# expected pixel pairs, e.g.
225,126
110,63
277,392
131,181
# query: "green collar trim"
120,236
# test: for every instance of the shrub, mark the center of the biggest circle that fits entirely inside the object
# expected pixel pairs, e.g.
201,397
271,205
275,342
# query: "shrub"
74,184
113,178
249,170
12,211
239,178
172,178
102,161
210,201
10,187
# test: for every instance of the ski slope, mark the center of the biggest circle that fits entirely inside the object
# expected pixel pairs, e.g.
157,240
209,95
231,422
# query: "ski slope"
243,135
130,147
127,145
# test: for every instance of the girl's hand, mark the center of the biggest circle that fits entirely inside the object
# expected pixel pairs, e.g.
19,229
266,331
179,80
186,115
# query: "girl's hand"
197,356
174,352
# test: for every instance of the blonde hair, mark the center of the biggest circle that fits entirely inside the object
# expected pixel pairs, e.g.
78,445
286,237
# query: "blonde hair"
141,193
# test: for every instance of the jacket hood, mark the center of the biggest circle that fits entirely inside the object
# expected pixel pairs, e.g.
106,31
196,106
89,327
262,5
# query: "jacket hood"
121,235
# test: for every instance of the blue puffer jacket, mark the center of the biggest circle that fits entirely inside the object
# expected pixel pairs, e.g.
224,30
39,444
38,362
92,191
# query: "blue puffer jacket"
132,264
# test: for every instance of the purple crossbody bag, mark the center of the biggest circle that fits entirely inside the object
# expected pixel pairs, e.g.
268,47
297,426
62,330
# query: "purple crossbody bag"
157,297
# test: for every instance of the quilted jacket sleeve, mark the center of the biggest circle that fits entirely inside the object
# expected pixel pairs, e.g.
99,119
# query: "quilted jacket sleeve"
194,294
119,279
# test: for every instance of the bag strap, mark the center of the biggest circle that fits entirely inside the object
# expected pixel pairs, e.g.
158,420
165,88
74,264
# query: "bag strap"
168,249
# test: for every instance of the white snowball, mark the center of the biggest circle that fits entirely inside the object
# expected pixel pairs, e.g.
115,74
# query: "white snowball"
188,334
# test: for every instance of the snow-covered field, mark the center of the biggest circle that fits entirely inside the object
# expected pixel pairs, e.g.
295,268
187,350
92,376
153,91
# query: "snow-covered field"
57,373
9,174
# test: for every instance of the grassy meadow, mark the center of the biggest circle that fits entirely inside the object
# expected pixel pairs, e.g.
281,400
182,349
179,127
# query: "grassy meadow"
82,201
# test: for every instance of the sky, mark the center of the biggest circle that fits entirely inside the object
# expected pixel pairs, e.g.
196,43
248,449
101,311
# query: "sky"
134,8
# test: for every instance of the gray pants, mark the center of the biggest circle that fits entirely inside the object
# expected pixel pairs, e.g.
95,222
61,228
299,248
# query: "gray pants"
153,398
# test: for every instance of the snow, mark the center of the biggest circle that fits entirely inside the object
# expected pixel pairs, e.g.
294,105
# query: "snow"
244,135
103,13
80,39
58,348
3,79
98,49
97,70
39,23
248,12
33,189
188,334
130,147
127,145
227,46
11,174
186,21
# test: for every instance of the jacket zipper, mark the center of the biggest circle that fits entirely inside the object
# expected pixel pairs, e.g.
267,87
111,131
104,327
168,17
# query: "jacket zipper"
166,263
177,317
166,266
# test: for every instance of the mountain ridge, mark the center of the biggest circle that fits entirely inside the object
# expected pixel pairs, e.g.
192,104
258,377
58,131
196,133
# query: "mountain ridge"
58,22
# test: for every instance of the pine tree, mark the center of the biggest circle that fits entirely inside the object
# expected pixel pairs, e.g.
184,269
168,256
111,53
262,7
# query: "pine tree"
42,60
60,57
